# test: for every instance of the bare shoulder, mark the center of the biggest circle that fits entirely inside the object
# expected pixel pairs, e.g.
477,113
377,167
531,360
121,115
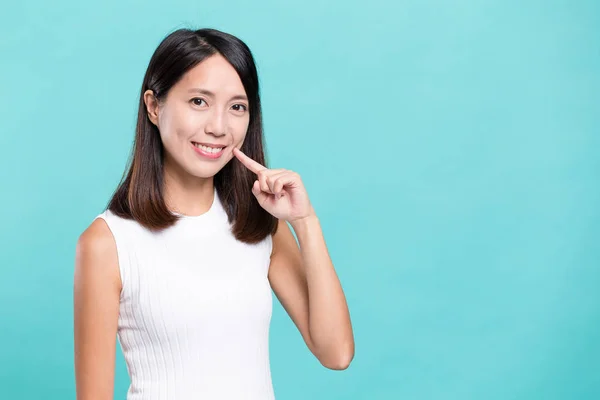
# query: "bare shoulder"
96,254
98,234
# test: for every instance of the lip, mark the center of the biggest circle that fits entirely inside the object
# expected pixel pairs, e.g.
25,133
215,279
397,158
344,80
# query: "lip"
212,156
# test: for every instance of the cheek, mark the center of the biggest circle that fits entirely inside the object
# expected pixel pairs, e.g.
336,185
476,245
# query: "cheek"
179,124
239,132
238,139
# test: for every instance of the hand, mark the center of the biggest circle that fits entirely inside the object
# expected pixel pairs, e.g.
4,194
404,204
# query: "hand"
279,191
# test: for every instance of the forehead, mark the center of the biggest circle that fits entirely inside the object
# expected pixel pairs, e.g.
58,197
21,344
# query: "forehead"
214,74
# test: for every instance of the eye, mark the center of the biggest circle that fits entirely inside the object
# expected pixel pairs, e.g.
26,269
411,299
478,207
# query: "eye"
196,101
238,107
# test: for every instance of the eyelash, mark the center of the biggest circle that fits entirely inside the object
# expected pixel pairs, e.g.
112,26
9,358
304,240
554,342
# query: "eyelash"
198,98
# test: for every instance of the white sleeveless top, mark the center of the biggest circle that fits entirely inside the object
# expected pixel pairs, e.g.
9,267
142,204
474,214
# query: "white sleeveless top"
195,309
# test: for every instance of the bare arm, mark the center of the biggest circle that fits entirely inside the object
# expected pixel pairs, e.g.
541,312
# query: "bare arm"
303,279
306,284
96,293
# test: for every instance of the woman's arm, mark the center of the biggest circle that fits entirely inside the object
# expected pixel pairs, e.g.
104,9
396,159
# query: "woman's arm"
303,279
305,282
96,292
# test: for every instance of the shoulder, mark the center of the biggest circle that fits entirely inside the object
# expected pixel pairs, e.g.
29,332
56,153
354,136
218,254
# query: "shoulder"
97,238
96,254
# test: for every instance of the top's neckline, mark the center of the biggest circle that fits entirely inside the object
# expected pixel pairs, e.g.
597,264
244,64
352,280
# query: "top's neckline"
211,209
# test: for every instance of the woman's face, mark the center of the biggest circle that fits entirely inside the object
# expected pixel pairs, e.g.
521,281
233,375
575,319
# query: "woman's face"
202,118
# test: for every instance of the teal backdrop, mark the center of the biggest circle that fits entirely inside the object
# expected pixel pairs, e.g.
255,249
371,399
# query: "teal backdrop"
451,149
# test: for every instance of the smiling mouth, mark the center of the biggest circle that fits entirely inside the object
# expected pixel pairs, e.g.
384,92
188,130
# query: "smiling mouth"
208,149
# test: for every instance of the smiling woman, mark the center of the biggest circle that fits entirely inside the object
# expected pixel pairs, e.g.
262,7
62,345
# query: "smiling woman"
181,264
201,87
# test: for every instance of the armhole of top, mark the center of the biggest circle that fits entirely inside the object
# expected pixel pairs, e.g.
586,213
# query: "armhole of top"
121,255
270,245
269,252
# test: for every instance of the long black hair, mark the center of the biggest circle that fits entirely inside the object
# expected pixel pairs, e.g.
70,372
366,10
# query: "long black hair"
140,194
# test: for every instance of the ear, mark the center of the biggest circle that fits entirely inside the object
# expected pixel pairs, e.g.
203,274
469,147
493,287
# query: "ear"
151,106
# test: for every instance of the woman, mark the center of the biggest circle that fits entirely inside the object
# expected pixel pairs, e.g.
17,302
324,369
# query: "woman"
181,264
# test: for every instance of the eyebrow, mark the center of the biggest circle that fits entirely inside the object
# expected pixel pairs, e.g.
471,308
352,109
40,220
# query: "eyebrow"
211,94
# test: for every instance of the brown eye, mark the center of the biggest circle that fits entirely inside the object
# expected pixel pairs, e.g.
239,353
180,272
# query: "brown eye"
196,101
238,107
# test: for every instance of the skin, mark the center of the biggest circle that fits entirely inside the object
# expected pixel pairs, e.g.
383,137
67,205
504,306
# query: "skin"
301,273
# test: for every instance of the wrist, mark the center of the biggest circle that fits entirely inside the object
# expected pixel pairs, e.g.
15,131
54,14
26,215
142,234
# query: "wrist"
305,222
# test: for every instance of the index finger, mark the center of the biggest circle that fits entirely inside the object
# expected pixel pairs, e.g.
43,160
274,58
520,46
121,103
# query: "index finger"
248,162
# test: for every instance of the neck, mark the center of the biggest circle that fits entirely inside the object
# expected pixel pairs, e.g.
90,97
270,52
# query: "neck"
188,195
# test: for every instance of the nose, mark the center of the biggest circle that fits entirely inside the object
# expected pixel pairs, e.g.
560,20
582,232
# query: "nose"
216,124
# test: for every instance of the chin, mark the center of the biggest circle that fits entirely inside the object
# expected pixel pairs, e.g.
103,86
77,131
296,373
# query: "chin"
205,173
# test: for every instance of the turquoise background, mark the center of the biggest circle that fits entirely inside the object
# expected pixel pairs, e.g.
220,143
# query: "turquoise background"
451,150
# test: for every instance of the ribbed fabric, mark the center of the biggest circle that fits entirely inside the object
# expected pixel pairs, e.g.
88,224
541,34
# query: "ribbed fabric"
195,309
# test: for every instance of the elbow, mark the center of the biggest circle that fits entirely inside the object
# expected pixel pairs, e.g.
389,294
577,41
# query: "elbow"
339,364
340,361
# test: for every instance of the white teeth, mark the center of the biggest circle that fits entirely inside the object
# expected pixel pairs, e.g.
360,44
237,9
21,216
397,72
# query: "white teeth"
211,150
